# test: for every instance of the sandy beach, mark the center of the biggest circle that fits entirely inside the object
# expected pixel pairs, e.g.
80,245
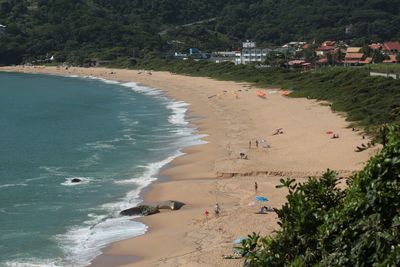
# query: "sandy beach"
231,115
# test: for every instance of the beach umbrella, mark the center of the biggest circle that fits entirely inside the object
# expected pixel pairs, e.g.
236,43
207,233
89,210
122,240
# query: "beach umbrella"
261,199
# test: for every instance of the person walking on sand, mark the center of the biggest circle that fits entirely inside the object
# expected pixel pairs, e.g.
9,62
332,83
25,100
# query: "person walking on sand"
256,143
216,210
255,187
250,144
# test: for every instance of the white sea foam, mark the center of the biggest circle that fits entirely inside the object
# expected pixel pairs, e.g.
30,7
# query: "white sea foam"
33,263
152,170
100,145
83,243
143,89
178,112
68,181
101,79
12,185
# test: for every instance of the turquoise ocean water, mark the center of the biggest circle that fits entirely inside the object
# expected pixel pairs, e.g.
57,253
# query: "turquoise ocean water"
114,136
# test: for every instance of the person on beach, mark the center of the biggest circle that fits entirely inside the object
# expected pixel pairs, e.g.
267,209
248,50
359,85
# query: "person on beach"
255,187
216,210
256,143
250,144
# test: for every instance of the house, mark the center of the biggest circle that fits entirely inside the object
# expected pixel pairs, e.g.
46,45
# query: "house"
179,55
224,56
352,59
195,53
391,47
329,43
328,54
285,50
296,63
300,64
323,61
354,56
375,46
353,50
250,53
323,50
392,59
298,46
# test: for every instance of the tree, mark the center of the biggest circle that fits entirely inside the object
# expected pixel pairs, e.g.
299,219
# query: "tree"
324,226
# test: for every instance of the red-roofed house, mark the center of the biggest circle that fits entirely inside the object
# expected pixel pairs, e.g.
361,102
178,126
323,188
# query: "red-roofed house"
323,60
354,58
324,49
392,59
328,43
375,46
300,64
391,47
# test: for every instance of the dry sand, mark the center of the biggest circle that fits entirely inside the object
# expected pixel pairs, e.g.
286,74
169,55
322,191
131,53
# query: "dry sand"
231,115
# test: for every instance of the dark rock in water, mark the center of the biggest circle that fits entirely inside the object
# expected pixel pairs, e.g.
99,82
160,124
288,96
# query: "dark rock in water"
170,204
143,210
76,180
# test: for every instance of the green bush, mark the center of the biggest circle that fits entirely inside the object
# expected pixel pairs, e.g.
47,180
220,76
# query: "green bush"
321,225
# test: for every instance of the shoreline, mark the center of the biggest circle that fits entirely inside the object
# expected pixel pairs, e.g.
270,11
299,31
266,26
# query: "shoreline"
230,120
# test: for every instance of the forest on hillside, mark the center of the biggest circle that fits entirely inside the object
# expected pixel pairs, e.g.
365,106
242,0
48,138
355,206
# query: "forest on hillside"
75,30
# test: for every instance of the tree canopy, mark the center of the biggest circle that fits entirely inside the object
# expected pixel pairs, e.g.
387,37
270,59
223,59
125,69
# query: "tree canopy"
76,29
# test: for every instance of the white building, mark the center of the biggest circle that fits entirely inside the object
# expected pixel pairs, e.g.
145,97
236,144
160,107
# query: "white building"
250,55
249,44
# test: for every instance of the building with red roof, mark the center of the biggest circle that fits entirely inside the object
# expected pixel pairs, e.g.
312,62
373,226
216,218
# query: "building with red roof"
391,47
324,49
375,46
354,59
392,59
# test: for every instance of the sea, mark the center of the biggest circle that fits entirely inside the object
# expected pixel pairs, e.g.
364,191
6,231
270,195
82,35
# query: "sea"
113,136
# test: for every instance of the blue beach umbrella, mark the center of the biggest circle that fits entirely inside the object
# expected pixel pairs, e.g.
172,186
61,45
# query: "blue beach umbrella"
261,199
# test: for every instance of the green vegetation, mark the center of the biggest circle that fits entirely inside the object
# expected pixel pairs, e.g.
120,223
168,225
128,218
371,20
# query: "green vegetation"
368,101
78,30
385,68
322,225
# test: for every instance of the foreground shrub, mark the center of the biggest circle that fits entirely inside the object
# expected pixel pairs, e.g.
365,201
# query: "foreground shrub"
324,226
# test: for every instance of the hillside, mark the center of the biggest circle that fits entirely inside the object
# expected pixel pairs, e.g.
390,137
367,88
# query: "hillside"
74,30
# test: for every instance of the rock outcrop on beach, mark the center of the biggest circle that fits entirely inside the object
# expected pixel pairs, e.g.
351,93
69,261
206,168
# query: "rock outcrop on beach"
146,210
143,210
170,204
